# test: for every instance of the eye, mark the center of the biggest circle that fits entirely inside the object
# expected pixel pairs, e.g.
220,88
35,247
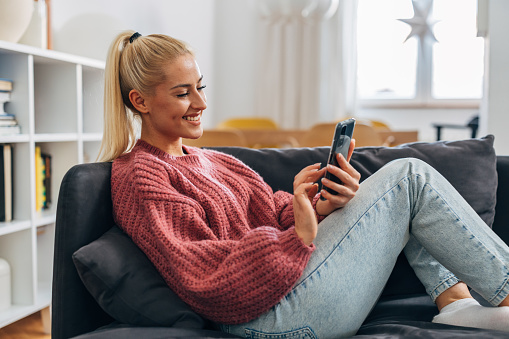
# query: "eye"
183,95
201,87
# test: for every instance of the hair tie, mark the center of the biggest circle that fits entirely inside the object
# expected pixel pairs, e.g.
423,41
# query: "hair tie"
134,37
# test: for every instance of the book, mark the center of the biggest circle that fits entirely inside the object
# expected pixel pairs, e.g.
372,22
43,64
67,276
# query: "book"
10,130
5,85
6,187
46,158
39,180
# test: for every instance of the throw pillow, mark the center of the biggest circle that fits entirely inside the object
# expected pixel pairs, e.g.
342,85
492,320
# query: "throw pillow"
128,287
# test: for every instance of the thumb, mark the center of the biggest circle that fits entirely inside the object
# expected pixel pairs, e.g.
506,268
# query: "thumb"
312,190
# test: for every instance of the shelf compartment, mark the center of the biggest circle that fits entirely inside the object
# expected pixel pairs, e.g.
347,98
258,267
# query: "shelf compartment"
56,101
45,245
19,69
64,155
21,263
93,94
21,186
91,151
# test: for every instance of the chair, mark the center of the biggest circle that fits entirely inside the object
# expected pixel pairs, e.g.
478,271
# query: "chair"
248,123
215,138
473,125
321,135
256,125
318,135
366,135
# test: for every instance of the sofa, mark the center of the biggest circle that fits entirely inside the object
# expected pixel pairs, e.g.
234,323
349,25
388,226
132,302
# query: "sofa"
104,286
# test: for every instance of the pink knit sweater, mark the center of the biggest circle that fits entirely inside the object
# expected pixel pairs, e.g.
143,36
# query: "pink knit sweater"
221,239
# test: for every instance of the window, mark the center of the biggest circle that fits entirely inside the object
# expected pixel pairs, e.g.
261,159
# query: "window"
439,62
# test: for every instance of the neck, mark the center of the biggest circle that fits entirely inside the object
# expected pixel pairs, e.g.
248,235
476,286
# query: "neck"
172,148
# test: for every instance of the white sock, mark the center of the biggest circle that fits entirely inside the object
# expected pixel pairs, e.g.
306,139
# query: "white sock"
468,312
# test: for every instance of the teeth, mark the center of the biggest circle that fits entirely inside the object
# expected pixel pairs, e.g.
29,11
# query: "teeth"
190,118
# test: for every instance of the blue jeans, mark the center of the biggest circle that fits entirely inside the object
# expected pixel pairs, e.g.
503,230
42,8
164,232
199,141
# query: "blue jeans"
406,205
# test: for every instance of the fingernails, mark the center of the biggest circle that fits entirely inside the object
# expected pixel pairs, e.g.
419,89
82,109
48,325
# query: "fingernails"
325,181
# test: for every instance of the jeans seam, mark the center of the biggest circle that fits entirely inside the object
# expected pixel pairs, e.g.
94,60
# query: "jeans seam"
434,292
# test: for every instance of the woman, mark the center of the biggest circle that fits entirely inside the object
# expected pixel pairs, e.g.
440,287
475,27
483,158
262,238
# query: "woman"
259,262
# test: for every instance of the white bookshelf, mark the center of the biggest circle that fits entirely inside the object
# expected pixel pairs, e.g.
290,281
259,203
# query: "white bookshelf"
57,99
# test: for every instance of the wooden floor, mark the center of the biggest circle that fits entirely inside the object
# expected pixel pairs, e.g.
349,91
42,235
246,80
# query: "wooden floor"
27,328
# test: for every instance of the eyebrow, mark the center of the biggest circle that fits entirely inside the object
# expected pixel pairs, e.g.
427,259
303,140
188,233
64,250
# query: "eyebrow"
187,85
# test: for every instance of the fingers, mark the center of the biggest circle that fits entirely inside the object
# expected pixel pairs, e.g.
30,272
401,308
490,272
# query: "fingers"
345,172
350,150
308,174
350,182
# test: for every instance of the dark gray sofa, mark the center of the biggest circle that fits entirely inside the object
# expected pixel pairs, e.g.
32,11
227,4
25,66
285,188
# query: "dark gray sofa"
90,300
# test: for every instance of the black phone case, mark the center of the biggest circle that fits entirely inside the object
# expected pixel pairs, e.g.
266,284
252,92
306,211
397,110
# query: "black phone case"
340,144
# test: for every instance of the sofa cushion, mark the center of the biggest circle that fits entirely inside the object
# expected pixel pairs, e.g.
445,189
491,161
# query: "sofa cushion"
128,287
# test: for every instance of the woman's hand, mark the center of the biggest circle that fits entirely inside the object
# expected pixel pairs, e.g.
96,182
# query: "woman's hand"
304,190
350,179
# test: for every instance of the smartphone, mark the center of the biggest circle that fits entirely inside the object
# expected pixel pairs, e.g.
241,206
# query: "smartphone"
340,144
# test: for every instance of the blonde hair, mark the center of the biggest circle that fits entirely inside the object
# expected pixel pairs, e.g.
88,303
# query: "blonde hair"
135,64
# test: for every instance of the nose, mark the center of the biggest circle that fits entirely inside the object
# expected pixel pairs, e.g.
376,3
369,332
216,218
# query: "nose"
199,101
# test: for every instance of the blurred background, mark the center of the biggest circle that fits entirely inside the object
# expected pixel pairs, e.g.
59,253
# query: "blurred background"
410,64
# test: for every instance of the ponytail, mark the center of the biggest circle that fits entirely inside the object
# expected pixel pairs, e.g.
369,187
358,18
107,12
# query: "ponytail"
131,65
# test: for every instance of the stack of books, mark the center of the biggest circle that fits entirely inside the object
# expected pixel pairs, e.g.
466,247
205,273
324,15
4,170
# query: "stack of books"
8,123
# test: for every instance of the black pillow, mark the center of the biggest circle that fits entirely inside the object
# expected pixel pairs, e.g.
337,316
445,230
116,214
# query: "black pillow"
128,287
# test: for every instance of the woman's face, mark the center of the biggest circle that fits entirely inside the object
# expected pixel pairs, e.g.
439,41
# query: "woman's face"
175,108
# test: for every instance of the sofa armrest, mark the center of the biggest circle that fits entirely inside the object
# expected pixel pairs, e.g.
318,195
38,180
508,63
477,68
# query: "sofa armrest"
84,213
501,223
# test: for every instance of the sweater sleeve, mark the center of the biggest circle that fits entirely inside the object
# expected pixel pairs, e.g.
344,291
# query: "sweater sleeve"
225,280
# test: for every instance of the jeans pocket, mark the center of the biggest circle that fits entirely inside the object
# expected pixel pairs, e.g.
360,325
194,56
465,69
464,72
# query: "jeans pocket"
300,333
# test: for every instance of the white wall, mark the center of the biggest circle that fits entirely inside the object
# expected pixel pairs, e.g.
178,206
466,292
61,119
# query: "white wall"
495,109
235,61
224,32
87,27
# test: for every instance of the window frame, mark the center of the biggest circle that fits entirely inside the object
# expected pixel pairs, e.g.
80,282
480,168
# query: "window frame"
423,91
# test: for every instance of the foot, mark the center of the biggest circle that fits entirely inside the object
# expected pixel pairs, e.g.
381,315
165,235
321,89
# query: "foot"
468,312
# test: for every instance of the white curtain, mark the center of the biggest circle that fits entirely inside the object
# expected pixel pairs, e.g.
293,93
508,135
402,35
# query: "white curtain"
307,61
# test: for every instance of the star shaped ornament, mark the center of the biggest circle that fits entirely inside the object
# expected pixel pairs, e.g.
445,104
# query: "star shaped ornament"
421,23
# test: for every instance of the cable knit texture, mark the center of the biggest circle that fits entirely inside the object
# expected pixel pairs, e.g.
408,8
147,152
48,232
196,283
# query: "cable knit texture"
216,232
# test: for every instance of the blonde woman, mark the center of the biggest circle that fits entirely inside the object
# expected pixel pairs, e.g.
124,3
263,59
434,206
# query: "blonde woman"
258,262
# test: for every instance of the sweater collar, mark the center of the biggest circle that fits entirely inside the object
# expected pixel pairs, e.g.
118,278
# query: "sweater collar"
190,152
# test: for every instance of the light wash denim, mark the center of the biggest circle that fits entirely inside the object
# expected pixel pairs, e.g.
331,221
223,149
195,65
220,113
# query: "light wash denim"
406,205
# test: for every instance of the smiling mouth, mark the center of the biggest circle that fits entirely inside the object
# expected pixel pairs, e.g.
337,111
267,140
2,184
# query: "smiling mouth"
192,117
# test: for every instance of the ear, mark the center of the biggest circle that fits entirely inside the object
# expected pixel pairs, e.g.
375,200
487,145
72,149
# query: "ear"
138,101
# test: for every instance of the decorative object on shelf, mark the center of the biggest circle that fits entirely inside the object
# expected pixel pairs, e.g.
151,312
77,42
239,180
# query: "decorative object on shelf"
6,188
37,32
5,285
8,123
15,17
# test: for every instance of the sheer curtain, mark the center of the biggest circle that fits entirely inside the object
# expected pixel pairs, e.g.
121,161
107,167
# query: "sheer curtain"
307,66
